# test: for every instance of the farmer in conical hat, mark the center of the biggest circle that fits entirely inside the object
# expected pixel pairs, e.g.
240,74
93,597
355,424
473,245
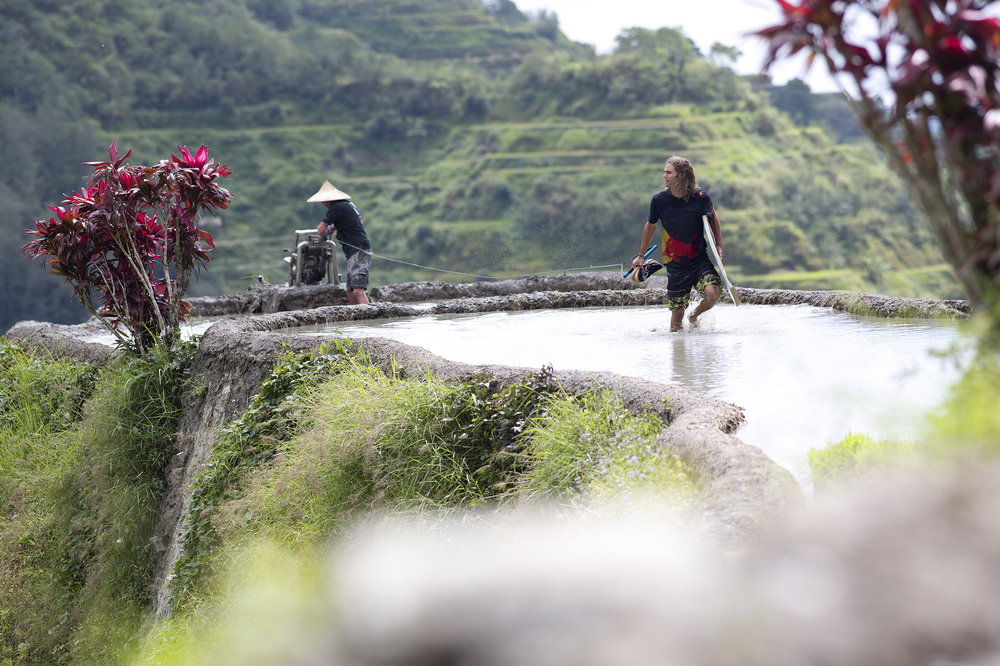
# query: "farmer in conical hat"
344,218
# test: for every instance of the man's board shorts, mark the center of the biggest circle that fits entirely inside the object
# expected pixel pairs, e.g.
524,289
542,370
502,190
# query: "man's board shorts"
698,275
358,265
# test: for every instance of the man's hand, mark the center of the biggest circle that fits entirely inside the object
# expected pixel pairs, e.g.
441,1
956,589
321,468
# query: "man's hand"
321,229
637,262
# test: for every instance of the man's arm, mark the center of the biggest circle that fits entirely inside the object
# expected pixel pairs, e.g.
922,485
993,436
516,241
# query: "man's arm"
647,235
328,223
713,221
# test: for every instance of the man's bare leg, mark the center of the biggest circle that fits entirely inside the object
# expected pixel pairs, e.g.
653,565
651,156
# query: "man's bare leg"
676,320
357,296
712,293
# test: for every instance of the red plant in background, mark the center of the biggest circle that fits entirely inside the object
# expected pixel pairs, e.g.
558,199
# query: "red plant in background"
940,59
109,239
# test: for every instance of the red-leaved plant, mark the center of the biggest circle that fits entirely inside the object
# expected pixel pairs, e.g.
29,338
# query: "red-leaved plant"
127,224
939,60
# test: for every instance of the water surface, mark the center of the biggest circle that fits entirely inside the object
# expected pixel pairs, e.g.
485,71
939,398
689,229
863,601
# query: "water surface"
805,376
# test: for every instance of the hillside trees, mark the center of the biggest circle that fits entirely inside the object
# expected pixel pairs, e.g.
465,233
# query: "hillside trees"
373,94
647,68
505,11
574,222
209,58
39,151
796,99
666,50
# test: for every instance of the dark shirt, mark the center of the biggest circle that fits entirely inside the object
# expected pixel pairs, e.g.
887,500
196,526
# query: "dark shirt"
683,235
345,218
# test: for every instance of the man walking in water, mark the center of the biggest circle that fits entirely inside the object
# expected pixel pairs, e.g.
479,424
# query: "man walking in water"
679,208
343,216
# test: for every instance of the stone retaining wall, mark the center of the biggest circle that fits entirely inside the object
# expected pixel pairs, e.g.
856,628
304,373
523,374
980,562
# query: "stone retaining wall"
533,292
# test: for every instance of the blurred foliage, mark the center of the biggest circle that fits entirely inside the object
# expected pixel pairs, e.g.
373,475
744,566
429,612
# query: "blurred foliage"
962,432
857,457
924,83
473,138
968,423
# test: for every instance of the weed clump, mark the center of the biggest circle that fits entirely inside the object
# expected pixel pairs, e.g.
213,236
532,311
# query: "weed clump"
591,447
40,394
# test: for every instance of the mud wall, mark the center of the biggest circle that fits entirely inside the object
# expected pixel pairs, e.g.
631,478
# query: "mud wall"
570,290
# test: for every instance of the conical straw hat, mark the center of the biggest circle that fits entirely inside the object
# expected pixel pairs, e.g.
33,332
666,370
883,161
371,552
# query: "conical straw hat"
328,193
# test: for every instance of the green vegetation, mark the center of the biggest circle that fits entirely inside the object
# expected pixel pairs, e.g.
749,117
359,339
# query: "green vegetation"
38,396
473,137
968,423
417,445
248,443
966,427
855,457
271,600
476,139
84,474
591,449
304,460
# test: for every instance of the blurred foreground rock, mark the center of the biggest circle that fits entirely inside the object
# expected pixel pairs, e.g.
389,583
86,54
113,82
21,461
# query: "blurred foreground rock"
898,572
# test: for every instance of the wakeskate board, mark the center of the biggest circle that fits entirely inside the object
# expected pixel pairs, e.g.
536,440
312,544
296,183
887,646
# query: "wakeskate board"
713,254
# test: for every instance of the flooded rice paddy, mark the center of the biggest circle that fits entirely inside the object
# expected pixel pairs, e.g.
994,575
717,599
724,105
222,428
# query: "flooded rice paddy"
806,376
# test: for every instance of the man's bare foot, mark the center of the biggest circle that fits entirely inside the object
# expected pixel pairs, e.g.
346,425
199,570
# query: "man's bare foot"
693,320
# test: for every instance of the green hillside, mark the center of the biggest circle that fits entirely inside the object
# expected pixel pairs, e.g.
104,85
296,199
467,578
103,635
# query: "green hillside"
473,138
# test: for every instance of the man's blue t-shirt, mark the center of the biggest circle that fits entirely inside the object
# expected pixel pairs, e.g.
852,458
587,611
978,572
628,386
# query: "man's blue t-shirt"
683,235
345,218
